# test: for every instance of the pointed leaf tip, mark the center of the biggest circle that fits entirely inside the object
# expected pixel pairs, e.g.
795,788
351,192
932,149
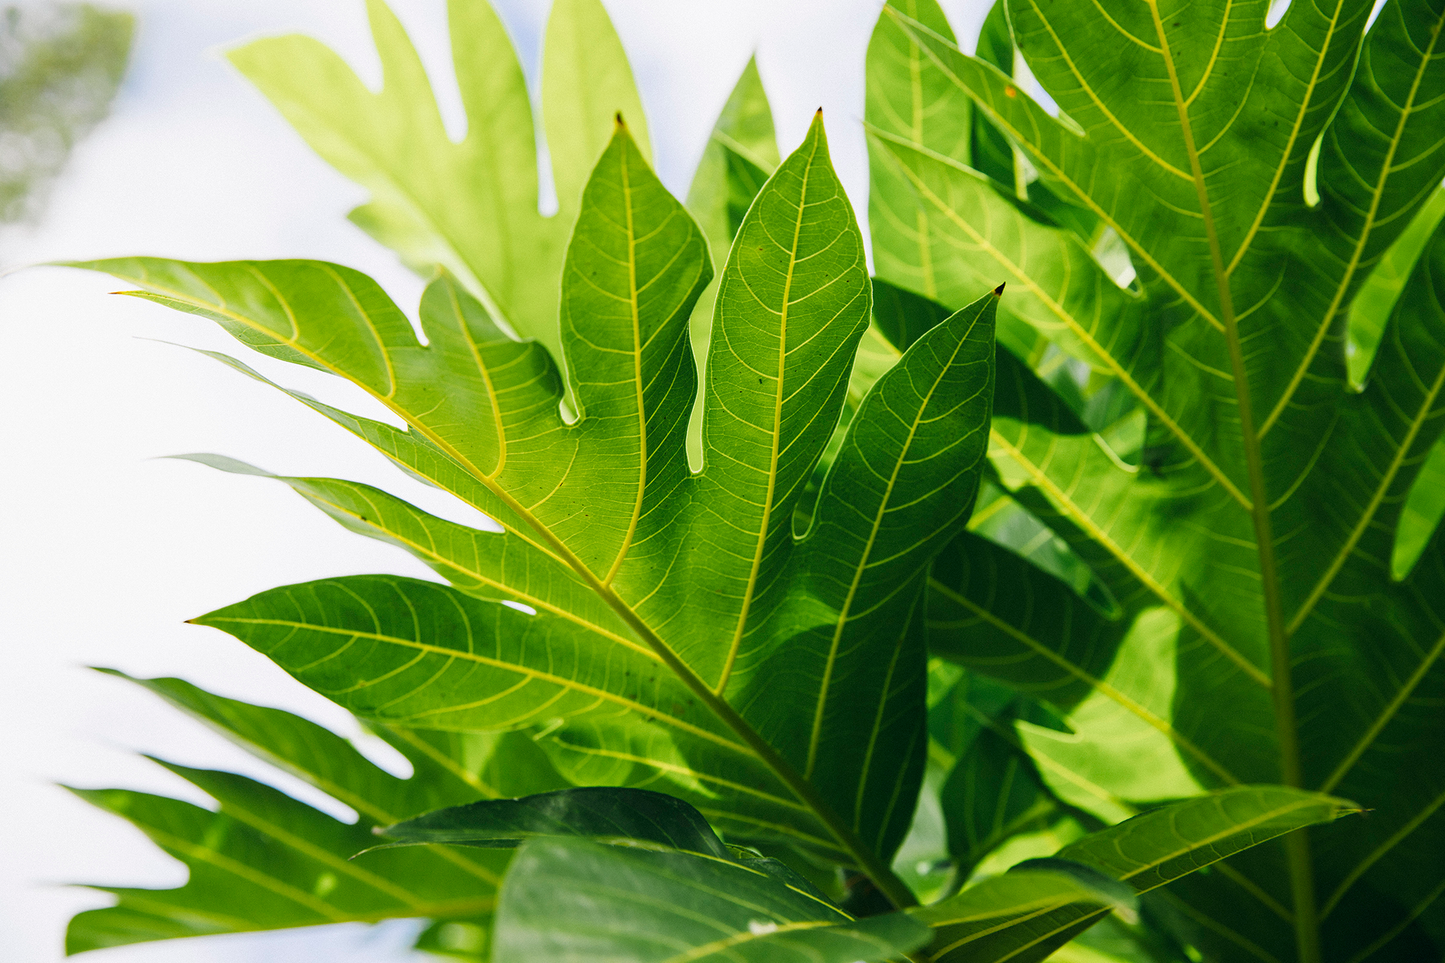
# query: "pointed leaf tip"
621,124
998,291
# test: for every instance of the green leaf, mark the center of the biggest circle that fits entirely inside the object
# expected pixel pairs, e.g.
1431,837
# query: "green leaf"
586,82
992,153
1370,310
1422,513
1262,506
904,101
1025,916
1008,916
575,900
470,207
740,156
608,815
665,602
991,794
266,861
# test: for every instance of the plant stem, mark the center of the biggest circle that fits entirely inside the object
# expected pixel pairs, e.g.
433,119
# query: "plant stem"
1301,873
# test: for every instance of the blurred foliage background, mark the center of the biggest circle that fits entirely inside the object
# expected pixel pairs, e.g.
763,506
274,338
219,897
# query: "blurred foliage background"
60,66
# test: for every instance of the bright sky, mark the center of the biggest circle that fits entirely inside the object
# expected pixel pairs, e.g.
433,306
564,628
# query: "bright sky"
107,550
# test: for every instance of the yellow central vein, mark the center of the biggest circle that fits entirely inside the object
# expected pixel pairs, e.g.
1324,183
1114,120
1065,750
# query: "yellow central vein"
746,936
426,648
1301,874
774,452
445,761
632,304
237,868
344,866
486,376
841,622
528,598
1011,922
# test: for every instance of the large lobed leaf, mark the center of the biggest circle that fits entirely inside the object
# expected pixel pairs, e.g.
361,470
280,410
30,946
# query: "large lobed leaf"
750,637
470,206
264,860
1249,542
665,602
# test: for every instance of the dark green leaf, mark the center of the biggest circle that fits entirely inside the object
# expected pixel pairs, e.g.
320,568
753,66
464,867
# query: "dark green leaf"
574,901
603,814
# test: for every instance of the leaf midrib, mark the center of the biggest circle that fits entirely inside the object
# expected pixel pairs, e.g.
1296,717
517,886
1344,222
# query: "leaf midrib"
1043,161
416,548
637,348
1298,857
305,847
425,648
776,435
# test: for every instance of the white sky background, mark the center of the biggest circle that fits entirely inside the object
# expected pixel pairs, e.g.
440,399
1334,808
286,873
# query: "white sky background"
106,550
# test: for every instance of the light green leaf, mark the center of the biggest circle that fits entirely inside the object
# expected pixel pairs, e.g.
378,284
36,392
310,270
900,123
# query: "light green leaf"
623,816
1420,518
586,82
1370,310
740,156
1012,916
470,207
909,102
266,861
575,901
290,859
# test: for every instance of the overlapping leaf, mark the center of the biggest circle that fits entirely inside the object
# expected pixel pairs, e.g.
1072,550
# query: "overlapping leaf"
1002,920
576,900
266,861
1262,512
687,897
470,206
683,635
